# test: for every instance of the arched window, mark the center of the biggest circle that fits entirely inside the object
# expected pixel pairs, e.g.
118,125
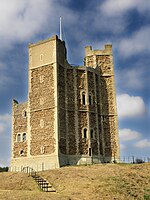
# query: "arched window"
18,137
22,153
92,134
83,98
24,137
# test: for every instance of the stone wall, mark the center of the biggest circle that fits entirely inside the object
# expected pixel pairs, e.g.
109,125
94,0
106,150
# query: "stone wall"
81,87
42,111
107,94
19,127
62,108
91,90
105,63
71,129
108,105
42,87
102,60
83,142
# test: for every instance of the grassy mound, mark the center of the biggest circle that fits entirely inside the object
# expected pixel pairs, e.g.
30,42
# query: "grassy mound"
96,182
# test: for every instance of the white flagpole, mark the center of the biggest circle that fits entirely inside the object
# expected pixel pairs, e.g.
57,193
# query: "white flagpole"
60,36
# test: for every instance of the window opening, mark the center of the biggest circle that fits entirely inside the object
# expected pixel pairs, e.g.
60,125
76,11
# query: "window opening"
24,137
90,152
41,57
41,78
85,133
19,137
90,100
41,123
92,133
42,150
83,98
24,113
21,153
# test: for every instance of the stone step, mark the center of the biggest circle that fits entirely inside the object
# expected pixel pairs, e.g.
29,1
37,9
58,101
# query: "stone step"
41,181
48,186
43,184
51,189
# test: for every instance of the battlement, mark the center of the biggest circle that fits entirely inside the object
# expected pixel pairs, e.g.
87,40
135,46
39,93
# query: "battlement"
106,51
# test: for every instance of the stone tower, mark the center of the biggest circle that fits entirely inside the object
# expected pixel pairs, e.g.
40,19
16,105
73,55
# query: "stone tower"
70,116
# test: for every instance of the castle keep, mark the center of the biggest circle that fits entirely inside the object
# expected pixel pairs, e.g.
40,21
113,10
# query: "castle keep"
70,116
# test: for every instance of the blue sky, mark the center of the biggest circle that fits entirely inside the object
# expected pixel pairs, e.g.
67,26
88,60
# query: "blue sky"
124,23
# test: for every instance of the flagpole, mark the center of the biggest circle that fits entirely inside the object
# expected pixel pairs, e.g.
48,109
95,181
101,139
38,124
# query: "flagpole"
60,36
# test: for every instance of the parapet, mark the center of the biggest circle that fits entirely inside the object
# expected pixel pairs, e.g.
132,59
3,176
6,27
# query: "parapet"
106,51
54,37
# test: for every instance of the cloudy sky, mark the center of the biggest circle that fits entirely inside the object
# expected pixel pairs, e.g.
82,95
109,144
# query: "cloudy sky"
124,23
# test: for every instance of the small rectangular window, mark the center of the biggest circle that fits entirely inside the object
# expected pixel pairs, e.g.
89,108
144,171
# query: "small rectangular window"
41,57
90,100
90,152
83,98
92,134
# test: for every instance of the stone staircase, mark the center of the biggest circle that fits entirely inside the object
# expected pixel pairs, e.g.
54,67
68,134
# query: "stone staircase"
43,184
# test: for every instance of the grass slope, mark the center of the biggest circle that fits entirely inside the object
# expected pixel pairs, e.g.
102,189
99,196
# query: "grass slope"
110,181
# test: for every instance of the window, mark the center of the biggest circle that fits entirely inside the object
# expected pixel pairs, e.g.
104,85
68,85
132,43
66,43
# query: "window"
24,137
24,113
83,98
19,137
41,101
85,133
92,134
103,118
42,150
41,57
41,123
90,99
21,153
41,78
90,152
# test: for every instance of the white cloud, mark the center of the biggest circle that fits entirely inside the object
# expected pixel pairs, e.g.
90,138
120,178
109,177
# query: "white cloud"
135,77
5,81
20,20
5,118
117,7
145,143
135,44
120,7
130,106
2,128
128,134
5,122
